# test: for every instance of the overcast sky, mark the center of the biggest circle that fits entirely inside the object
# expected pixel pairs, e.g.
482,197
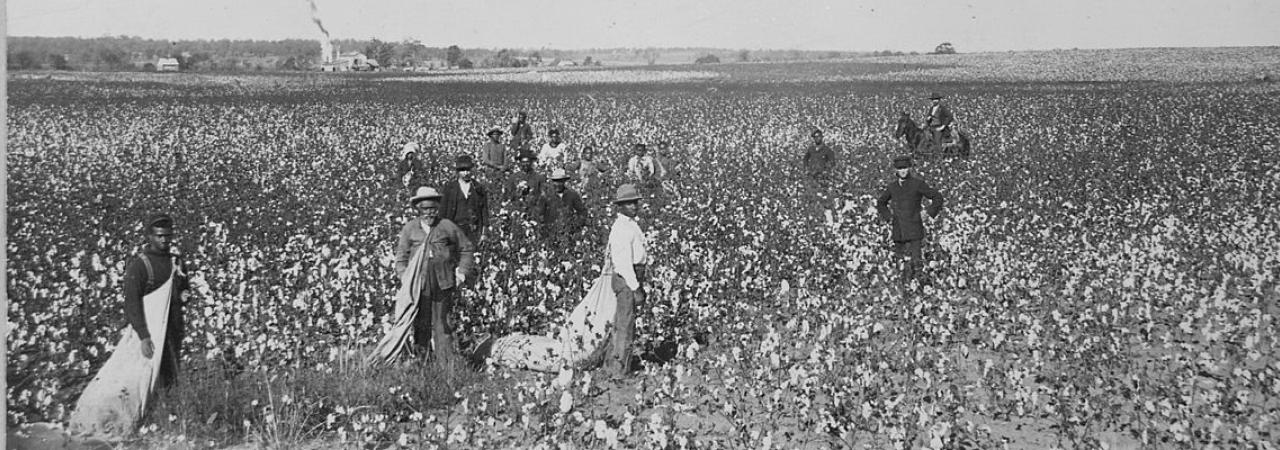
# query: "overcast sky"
860,25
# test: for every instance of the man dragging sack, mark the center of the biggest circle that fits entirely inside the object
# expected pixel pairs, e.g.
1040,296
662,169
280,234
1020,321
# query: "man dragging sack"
433,258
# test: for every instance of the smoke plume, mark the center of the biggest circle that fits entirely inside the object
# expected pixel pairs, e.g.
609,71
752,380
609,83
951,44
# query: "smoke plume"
326,47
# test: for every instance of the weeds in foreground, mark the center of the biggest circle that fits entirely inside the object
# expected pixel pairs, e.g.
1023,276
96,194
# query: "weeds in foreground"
221,405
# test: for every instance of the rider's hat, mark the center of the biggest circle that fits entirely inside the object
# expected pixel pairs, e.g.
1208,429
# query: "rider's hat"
934,96
902,162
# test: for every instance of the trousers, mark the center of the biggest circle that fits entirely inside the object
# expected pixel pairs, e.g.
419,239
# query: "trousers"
433,327
624,323
913,265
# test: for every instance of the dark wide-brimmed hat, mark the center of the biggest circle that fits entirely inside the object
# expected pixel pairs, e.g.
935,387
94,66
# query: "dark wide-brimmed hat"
463,163
494,131
816,132
934,96
902,162
425,193
627,193
527,154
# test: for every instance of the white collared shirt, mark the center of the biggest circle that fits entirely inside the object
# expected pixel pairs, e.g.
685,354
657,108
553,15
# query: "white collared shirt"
627,247
466,188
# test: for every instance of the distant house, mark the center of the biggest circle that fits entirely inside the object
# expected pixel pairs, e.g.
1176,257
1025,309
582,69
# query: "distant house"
167,65
350,61
566,63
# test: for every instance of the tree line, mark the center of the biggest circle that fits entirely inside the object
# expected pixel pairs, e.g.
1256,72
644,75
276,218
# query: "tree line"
131,53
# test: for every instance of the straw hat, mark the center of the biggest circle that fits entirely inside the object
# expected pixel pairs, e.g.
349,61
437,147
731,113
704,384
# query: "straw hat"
627,193
425,193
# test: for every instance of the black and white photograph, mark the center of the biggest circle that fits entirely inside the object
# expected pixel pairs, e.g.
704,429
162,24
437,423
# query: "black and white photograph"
609,224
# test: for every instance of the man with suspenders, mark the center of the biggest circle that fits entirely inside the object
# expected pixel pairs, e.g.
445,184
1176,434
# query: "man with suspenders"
146,272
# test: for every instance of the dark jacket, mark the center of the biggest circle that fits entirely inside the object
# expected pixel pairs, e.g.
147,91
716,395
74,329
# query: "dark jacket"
411,165
942,118
819,160
450,249
562,213
138,282
899,205
525,196
521,136
470,213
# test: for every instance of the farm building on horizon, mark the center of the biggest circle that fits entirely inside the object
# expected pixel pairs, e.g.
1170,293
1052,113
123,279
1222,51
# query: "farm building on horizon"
347,62
167,65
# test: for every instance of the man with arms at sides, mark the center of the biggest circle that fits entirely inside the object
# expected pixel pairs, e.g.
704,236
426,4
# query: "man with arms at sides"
521,133
493,156
562,212
466,201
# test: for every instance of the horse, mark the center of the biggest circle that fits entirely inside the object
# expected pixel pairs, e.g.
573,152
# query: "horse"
920,141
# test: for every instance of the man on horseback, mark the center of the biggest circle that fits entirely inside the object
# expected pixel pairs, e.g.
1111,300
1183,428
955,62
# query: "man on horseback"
940,119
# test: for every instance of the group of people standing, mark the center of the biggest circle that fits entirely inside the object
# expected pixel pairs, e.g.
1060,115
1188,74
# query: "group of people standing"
435,252
441,241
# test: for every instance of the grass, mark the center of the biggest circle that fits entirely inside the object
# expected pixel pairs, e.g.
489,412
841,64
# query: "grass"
218,404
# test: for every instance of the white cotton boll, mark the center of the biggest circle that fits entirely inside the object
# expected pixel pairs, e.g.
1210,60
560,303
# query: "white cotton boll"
563,379
566,402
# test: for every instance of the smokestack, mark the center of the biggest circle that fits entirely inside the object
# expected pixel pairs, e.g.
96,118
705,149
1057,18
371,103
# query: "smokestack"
326,47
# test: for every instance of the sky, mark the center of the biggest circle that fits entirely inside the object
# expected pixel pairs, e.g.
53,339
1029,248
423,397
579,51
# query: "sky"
852,25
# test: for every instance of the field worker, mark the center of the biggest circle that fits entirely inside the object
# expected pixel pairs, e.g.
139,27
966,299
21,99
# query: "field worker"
466,201
628,259
525,186
493,157
589,170
640,168
665,166
561,210
940,118
521,132
899,205
552,156
445,263
819,159
408,169
147,272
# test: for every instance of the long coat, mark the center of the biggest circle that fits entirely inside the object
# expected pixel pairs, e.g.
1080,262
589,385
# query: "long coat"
899,205
471,213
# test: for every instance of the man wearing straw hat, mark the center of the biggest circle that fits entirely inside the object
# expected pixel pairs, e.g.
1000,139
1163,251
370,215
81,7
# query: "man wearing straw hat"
899,205
493,157
628,261
561,209
433,258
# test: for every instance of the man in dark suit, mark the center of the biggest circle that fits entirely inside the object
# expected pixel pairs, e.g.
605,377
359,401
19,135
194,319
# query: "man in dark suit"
466,201
899,205
940,118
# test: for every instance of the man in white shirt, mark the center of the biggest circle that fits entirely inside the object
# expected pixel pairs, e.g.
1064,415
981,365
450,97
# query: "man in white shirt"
640,166
552,155
628,260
